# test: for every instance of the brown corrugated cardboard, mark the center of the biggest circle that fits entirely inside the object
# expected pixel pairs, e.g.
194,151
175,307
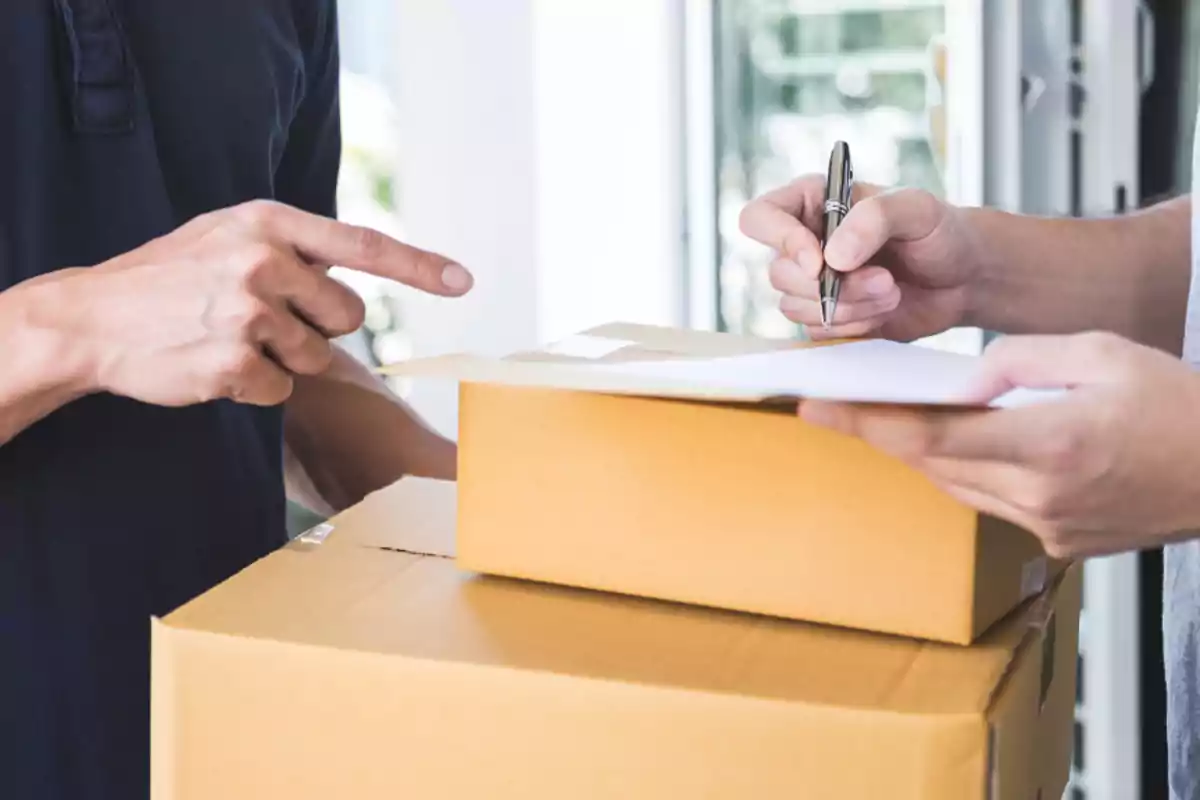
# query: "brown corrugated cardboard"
369,666
605,482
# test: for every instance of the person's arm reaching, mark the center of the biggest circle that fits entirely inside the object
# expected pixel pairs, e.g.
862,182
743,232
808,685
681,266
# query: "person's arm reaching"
917,266
348,435
1128,275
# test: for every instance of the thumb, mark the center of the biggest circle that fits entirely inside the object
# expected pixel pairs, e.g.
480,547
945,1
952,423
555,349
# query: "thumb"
1049,362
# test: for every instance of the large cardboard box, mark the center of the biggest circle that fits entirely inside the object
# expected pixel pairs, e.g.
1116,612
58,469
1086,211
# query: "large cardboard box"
368,666
714,497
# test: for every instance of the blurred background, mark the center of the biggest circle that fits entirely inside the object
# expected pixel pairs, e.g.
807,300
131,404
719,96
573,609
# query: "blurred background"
588,160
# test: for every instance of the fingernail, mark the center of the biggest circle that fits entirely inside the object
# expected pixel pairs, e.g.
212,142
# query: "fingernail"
456,278
837,253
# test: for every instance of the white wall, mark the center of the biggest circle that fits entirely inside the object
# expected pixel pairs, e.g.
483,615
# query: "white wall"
542,147
608,113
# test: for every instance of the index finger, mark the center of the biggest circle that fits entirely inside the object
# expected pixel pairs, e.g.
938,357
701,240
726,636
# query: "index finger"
789,220
786,220
321,239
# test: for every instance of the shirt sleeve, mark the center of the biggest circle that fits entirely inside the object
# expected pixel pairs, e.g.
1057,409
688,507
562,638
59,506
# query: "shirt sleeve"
307,174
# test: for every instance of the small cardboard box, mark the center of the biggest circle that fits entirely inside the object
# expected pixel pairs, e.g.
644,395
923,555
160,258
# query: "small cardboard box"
360,662
699,494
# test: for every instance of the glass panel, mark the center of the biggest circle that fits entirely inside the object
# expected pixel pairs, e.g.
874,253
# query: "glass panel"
367,183
791,78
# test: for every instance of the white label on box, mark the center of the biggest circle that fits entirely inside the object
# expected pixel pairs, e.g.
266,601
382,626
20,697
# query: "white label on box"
585,346
1033,577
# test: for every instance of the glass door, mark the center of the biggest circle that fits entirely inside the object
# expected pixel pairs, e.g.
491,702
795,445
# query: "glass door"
793,76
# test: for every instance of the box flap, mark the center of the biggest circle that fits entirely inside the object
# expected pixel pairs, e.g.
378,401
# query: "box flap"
562,364
349,594
618,341
717,368
427,508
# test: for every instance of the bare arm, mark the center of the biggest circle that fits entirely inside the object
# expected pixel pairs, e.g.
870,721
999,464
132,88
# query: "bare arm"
1129,275
41,372
349,436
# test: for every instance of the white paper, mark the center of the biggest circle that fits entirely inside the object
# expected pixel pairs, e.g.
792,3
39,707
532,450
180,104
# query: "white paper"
869,371
587,346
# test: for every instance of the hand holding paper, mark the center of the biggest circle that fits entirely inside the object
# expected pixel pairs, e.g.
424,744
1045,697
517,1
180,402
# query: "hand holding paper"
1111,466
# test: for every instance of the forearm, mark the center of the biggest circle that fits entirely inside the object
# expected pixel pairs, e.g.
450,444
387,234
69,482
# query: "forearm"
41,371
351,436
1129,275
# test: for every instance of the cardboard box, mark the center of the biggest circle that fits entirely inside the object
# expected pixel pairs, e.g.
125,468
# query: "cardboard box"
369,667
713,497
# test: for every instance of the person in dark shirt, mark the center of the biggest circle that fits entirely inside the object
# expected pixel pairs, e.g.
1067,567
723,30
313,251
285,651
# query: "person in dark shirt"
167,182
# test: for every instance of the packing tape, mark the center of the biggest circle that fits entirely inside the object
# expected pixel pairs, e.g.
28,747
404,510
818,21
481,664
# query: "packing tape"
1033,577
316,534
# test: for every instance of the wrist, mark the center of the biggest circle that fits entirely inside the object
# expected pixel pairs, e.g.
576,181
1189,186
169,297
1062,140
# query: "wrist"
45,328
980,253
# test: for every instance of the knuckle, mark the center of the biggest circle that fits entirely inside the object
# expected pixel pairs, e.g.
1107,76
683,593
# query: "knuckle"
1042,500
923,441
234,363
257,213
250,315
1102,345
784,276
1067,449
1057,545
796,241
367,242
255,259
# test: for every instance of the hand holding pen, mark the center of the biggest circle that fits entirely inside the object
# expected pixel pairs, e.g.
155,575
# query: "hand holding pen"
898,264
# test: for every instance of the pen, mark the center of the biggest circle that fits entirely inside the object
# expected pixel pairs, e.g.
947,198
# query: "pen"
838,184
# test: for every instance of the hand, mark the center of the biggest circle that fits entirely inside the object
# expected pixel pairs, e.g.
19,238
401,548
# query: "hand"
1111,466
231,305
909,259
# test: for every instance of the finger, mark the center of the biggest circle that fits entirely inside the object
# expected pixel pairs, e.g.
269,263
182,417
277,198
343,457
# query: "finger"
765,222
1009,482
904,215
807,311
804,198
790,278
1013,436
245,375
296,347
987,503
326,240
325,304
1052,362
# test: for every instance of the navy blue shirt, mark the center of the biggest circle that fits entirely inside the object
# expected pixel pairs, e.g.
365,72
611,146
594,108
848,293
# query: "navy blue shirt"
119,121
